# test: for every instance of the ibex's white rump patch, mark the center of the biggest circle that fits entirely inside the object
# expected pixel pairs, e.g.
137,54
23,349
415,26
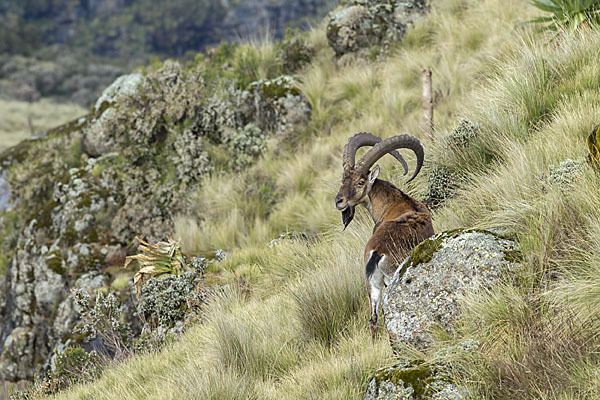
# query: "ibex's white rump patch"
401,222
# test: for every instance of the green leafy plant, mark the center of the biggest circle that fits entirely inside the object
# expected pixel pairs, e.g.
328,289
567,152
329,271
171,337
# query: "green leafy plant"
156,259
568,15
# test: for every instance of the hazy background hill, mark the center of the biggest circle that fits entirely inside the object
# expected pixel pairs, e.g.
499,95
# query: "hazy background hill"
56,56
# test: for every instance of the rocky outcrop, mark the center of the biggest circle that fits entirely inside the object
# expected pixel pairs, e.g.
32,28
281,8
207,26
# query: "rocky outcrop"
424,294
413,381
366,25
427,286
80,194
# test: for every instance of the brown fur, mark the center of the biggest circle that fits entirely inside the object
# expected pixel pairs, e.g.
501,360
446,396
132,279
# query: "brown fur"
401,223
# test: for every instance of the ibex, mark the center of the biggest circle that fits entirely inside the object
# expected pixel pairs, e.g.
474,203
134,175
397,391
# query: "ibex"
401,222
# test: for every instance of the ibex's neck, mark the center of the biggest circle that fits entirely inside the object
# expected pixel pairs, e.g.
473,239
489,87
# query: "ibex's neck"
386,201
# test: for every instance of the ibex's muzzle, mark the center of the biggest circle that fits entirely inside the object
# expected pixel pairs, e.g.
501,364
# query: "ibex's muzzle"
339,202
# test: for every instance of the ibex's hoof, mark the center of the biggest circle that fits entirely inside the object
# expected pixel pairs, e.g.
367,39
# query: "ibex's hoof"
373,324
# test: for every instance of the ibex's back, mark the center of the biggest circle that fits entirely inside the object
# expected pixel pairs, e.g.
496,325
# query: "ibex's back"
401,222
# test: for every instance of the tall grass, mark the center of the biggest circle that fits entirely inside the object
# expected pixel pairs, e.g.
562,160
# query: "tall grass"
296,326
20,120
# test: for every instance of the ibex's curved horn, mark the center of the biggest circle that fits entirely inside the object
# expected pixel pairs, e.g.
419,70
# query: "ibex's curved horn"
365,139
389,144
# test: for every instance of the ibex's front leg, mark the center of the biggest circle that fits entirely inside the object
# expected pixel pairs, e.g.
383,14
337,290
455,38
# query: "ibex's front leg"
375,284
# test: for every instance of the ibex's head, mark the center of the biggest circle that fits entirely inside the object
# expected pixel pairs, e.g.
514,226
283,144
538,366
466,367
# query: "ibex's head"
358,179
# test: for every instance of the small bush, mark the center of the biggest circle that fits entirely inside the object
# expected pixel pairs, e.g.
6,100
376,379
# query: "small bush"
464,133
443,184
294,52
76,365
245,146
103,320
165,301
446,177
565,174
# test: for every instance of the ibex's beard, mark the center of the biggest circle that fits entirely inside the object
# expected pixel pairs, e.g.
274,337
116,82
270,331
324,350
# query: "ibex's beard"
347,215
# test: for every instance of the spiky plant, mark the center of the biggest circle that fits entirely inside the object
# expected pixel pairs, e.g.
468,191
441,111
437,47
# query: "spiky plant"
568,15
155,260
593,142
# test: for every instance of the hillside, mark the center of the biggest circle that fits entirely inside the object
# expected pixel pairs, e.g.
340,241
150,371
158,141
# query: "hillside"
188,154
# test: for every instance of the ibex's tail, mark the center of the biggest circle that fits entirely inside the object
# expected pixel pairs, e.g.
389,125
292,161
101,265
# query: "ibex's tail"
372,264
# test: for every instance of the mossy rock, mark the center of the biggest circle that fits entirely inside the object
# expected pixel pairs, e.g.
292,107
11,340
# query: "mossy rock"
426,288
276,88
413,380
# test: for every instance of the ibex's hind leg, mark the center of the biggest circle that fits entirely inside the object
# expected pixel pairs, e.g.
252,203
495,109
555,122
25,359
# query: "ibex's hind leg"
375,286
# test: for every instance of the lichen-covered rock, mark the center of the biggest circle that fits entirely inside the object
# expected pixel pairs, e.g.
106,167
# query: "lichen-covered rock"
97,139
18,354
81,193
413,381
362,24
125,85
344,31
4,194
278,105
427,286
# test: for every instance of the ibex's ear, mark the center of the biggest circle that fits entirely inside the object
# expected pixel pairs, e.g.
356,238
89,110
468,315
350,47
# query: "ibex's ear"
374,174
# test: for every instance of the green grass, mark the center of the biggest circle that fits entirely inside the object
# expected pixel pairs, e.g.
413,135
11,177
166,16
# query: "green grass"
292,320
20,120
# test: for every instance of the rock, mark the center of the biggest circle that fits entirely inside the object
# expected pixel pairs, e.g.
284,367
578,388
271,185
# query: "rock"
363,24
5,203
124,85
91,282
427,285
97,139
18,354
413,381
344,31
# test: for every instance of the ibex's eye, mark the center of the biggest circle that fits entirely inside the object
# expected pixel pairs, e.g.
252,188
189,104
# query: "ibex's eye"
361,182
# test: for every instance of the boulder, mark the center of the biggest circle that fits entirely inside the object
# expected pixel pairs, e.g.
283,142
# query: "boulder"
413,381
124,85
427,286
363,24
97,138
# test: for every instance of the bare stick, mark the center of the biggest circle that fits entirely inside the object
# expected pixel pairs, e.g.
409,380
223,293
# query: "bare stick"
427,102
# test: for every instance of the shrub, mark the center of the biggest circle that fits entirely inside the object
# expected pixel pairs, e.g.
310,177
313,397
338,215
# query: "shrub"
165,301
445,177
464,133
76,365
294,52
565,174
103,320
245,146
443,184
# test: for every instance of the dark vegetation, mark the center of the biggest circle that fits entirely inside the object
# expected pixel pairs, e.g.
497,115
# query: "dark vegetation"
72,49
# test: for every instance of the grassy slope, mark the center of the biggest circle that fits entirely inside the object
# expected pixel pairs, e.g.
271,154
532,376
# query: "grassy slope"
14,125
292,321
